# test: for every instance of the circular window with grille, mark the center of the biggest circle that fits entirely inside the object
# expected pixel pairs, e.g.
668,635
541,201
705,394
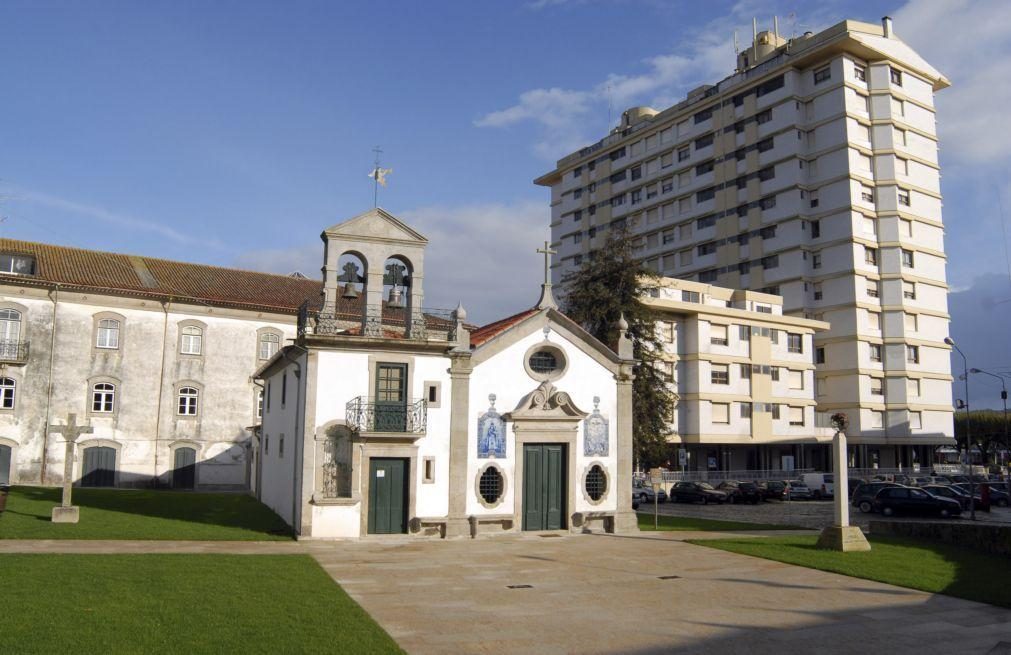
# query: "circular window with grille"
545,361
595,483
490,485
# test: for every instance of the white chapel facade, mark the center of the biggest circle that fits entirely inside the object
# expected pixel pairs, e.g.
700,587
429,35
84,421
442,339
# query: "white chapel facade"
385,417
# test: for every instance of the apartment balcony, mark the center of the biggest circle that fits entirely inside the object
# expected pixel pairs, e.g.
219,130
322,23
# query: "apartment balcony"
14,352
383,418
354,318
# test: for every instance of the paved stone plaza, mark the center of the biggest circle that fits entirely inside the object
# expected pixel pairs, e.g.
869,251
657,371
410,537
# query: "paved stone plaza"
455,597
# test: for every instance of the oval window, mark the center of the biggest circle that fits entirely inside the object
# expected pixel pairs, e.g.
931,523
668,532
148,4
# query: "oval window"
596,483
543,361
490,485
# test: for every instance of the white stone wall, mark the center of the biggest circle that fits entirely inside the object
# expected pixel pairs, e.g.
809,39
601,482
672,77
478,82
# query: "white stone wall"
280,461
146,368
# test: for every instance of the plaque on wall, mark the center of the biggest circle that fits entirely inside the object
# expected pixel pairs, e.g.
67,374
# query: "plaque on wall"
491,433
595,432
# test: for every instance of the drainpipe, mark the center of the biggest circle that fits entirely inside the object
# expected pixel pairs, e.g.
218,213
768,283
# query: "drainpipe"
161,388
55,295
295,495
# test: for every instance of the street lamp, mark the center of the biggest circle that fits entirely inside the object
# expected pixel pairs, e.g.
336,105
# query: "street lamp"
968,428
1003,397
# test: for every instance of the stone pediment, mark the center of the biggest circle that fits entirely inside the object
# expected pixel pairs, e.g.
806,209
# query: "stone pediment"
546,403
376,224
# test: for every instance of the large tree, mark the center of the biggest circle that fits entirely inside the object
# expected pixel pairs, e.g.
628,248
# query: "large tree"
609,284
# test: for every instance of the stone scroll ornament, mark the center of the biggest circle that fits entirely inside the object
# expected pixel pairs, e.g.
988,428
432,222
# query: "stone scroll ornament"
491,433
595,432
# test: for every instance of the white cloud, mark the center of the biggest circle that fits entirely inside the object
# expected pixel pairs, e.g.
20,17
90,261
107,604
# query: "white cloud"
105,216
482,255
969,41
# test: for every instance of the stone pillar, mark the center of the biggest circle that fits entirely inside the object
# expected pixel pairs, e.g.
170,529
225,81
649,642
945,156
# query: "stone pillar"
460,369
842,536
372,316
625,519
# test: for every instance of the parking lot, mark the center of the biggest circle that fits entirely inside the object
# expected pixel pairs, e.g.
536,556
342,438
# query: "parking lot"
813,514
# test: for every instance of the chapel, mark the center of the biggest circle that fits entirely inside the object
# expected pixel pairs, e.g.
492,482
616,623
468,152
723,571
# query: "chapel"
386,417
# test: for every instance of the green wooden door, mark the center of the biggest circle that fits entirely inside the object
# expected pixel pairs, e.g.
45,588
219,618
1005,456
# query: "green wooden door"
544,490
184,470
99,468
387,496
391,398
5,465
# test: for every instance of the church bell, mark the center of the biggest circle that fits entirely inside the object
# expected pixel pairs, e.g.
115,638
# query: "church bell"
396,298
350,292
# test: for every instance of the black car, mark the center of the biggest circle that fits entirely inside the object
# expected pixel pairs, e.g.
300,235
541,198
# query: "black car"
741,492
998,496
774,490
863,495
948,491
696,492
910,500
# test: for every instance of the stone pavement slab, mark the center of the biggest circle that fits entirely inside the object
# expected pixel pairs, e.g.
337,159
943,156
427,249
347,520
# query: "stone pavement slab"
649,593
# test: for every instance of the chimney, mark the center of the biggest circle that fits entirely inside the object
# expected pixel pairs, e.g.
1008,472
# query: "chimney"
886,25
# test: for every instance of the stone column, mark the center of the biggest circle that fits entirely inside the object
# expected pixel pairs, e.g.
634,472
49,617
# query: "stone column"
841,536
625,519
460,369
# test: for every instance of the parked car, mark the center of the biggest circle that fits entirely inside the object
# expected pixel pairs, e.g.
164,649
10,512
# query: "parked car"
863,495
774,490
948,491
644,493
822,485
797,490
697,492
741,492
998,496
910,500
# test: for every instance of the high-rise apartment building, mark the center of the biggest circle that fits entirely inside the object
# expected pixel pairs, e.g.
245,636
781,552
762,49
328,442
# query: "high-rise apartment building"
811,173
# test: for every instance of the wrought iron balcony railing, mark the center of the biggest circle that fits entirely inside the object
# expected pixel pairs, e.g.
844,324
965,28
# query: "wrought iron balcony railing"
13,352
364,414
355,318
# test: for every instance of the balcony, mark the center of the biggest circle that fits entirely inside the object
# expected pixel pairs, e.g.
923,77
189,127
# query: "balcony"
14,352
354,318
364,414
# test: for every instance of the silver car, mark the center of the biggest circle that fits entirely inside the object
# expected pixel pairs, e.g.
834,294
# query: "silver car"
644,493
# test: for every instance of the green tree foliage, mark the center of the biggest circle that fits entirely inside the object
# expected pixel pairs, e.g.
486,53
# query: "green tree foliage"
987,430
609,284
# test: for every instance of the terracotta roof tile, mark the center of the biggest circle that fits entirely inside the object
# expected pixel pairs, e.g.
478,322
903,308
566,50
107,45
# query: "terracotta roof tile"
487,332
133,275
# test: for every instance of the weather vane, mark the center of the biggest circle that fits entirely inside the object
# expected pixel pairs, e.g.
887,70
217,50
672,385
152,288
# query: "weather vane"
378,176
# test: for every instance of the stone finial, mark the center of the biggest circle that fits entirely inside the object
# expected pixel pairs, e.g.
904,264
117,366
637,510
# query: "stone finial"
625,349
460,313
622,323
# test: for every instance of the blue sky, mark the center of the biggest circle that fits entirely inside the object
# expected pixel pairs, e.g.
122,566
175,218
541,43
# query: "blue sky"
234,132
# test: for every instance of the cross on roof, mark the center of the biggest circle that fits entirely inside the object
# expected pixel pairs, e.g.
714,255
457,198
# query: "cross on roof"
71,431
547,252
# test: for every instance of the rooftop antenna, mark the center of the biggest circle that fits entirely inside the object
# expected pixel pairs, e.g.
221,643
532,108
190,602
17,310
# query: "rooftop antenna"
378,176
754,39
791,19
737,49
775,27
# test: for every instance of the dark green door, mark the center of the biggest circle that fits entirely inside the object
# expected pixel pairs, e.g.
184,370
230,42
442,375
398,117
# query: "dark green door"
5,465
544,490
391,398
184,470
99,469
387,496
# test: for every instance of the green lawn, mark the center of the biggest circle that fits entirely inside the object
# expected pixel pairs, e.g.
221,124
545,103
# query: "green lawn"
180,604
682,523
141,514
923,565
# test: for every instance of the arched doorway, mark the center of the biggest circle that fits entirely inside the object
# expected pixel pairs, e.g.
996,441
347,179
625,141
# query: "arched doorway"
184,468
99,467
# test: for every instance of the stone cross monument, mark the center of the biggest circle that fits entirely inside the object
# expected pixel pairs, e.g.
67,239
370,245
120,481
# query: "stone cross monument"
67,513
841,535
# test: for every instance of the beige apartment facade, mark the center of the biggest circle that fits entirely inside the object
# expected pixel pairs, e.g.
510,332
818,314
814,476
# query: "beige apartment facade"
743,375
810,173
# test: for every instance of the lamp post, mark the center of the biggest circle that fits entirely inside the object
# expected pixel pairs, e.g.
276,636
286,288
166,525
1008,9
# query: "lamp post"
968,427
1003,397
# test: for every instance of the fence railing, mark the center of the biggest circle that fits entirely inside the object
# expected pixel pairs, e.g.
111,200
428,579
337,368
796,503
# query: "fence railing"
354,318
720,476
13,351
365,414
